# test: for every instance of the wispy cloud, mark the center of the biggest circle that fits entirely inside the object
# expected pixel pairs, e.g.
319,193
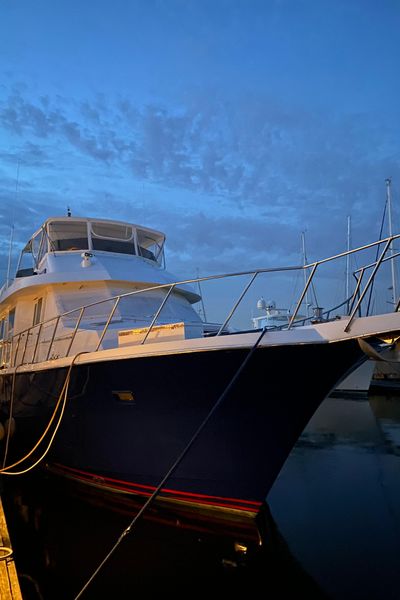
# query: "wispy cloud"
247,150
255,173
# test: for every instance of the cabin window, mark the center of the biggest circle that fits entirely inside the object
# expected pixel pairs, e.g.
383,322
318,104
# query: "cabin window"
32,254
112,231
39,246
113,237
37,311
150,246
26,262
2,329
68,235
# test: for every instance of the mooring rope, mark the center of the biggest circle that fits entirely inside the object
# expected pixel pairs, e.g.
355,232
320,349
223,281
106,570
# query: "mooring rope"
62,400
8,552
174,466
9,419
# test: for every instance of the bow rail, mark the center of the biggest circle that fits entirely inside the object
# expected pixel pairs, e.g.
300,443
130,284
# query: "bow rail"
14,350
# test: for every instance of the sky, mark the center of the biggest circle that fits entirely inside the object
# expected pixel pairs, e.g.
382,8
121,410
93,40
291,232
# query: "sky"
231,125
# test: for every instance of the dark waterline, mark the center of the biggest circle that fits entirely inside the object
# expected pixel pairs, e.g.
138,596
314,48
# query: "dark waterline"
330,528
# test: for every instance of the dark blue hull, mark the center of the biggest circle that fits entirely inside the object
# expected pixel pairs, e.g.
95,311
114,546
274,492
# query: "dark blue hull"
126,421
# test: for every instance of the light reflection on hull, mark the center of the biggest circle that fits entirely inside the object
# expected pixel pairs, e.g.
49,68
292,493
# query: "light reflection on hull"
72,528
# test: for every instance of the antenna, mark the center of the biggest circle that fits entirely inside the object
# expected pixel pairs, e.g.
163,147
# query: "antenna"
9,255
348,257
12,227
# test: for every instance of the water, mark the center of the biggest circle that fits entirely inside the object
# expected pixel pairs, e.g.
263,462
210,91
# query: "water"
330,528
337,500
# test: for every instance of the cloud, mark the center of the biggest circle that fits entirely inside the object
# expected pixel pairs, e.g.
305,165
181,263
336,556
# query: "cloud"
249,150
231,181
28,155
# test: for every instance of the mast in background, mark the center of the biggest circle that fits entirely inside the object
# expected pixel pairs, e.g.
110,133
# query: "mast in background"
348,258
308,303
388,182
303,241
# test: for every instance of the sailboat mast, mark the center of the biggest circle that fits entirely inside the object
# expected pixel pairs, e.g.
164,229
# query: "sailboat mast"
348,258
303,240
389,204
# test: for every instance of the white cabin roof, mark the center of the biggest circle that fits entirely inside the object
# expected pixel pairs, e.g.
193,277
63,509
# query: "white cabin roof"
75,249
95,220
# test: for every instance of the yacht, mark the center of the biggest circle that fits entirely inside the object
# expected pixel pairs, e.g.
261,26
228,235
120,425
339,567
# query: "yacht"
110,377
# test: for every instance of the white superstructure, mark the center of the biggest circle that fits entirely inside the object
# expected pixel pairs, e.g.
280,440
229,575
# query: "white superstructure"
72,262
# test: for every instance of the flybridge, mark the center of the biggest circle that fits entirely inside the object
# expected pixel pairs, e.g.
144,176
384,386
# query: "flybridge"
74,234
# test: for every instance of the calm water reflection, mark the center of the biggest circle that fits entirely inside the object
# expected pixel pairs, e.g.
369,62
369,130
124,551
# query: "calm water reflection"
331,528
337,500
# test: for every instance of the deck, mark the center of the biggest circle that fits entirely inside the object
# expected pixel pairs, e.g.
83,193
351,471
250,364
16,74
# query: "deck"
9,585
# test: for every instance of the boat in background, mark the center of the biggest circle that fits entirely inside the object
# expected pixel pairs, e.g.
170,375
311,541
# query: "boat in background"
110,377
386,375
272,317
358,383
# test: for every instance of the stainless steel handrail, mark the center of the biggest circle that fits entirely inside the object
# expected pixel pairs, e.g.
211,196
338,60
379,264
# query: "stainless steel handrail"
158,313
110,316
238,301
367,285
37,341
57,319
304,292
354,305
78,322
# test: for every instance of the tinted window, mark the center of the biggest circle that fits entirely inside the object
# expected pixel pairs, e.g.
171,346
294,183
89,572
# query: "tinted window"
114,231
68,235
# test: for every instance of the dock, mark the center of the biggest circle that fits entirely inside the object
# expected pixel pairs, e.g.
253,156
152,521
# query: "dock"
9,584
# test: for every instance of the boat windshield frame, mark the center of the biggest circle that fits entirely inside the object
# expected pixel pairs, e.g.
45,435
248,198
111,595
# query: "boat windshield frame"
69,234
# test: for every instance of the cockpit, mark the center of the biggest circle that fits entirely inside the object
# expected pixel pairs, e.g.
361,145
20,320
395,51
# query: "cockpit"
75,234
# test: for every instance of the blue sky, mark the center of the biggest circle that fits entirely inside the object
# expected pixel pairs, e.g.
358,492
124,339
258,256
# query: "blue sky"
231,125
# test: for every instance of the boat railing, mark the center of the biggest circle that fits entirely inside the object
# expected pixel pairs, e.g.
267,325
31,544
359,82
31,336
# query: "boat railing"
43,341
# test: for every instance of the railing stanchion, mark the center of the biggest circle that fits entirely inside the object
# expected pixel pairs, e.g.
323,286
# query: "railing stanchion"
25,346
304,292
228,318
366,287
78,322
13,359
356,290
110,316
52,337
37,342
158,313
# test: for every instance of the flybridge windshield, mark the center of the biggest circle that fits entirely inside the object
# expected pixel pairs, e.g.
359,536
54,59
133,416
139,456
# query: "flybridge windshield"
105,236
69,235
113,237
150,245
112,231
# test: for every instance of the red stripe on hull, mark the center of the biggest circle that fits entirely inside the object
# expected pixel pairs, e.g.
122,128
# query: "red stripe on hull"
138,489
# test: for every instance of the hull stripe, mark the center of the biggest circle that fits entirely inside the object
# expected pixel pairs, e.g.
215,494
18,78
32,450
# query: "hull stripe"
147,490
